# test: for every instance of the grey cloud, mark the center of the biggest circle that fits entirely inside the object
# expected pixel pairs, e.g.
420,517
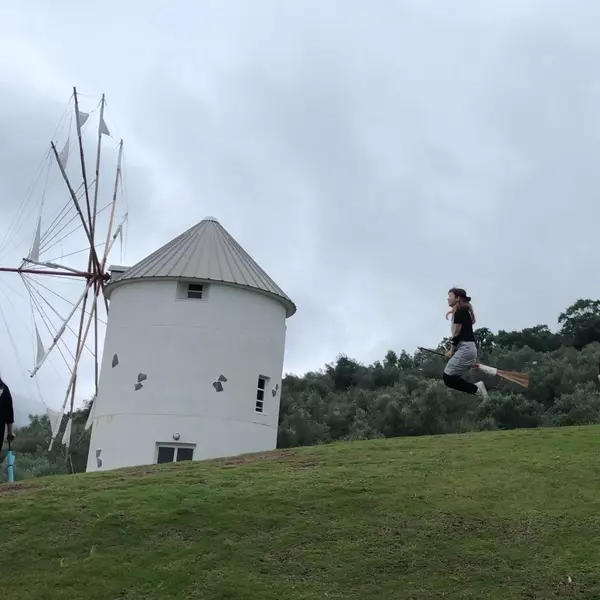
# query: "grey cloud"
368,158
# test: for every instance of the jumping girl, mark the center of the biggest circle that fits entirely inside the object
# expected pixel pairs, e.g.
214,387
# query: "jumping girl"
463,352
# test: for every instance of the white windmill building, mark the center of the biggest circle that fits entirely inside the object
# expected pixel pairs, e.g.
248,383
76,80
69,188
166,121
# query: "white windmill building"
193,355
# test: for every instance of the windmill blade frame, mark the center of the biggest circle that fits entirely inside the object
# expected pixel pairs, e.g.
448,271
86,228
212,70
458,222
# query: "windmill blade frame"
81,212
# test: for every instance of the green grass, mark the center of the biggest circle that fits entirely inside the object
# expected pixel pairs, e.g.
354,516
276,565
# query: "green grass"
475,516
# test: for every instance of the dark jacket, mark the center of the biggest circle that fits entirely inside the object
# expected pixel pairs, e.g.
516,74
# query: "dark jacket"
7,413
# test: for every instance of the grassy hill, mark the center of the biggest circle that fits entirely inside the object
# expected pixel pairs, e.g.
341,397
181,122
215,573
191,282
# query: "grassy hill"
474,516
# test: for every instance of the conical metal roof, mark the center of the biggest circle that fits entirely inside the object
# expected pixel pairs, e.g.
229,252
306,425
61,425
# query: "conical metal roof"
206,252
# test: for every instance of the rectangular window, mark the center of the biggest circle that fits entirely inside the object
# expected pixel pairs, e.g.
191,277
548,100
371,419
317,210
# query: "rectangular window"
168,454
260,393
195,291
165,454
185,454
192,290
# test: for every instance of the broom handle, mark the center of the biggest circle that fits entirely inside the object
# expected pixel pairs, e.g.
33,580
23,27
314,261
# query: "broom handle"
437,353
431,351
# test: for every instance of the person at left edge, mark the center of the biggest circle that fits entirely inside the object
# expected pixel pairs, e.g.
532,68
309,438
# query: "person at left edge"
7,414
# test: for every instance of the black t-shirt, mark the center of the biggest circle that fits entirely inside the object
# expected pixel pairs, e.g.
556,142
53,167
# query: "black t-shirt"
463,317
7,415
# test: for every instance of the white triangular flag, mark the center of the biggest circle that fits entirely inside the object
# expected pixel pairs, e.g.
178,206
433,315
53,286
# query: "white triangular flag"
40,354
64,154
102,128
66,440
83,117
117,232
55,420
90,418
34,255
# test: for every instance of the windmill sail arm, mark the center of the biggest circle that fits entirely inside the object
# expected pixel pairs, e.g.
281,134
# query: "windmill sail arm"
56,429
52,265
108,245
101,129
116,234
90,213
75,366
86,229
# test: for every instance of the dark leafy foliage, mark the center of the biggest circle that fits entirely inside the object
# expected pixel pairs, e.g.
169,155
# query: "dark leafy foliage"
403,395
31,448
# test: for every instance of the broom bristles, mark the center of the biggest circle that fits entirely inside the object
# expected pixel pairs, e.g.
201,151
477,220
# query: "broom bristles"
521,379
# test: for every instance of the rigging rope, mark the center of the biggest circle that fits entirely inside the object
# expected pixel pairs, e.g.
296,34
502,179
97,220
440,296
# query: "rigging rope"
17,354
45,320
47,237
79,226
33,281
45,427
97,246
14,228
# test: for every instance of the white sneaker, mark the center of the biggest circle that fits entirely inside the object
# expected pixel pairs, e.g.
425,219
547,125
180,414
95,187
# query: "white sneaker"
481,390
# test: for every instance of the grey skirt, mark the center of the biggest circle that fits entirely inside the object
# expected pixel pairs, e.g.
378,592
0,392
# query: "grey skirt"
463,359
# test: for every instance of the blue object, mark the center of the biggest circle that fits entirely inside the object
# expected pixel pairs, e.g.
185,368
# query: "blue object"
10,465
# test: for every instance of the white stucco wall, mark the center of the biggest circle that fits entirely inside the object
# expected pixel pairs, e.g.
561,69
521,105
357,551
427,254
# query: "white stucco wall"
183,345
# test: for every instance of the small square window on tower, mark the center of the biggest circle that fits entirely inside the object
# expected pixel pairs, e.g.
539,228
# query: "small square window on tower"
191,290
260,393
195,290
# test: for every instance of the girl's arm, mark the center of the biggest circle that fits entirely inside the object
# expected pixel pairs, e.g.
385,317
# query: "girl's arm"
456,327
457,323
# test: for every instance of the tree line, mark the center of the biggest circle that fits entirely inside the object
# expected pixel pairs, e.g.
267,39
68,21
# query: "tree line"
403,394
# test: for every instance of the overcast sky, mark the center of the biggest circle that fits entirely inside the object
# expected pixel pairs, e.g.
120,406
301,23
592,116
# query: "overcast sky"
369,155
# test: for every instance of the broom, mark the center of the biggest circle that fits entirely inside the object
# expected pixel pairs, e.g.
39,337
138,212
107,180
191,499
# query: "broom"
521,379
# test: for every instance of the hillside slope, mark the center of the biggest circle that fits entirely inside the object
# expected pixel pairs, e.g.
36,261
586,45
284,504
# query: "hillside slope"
479,516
